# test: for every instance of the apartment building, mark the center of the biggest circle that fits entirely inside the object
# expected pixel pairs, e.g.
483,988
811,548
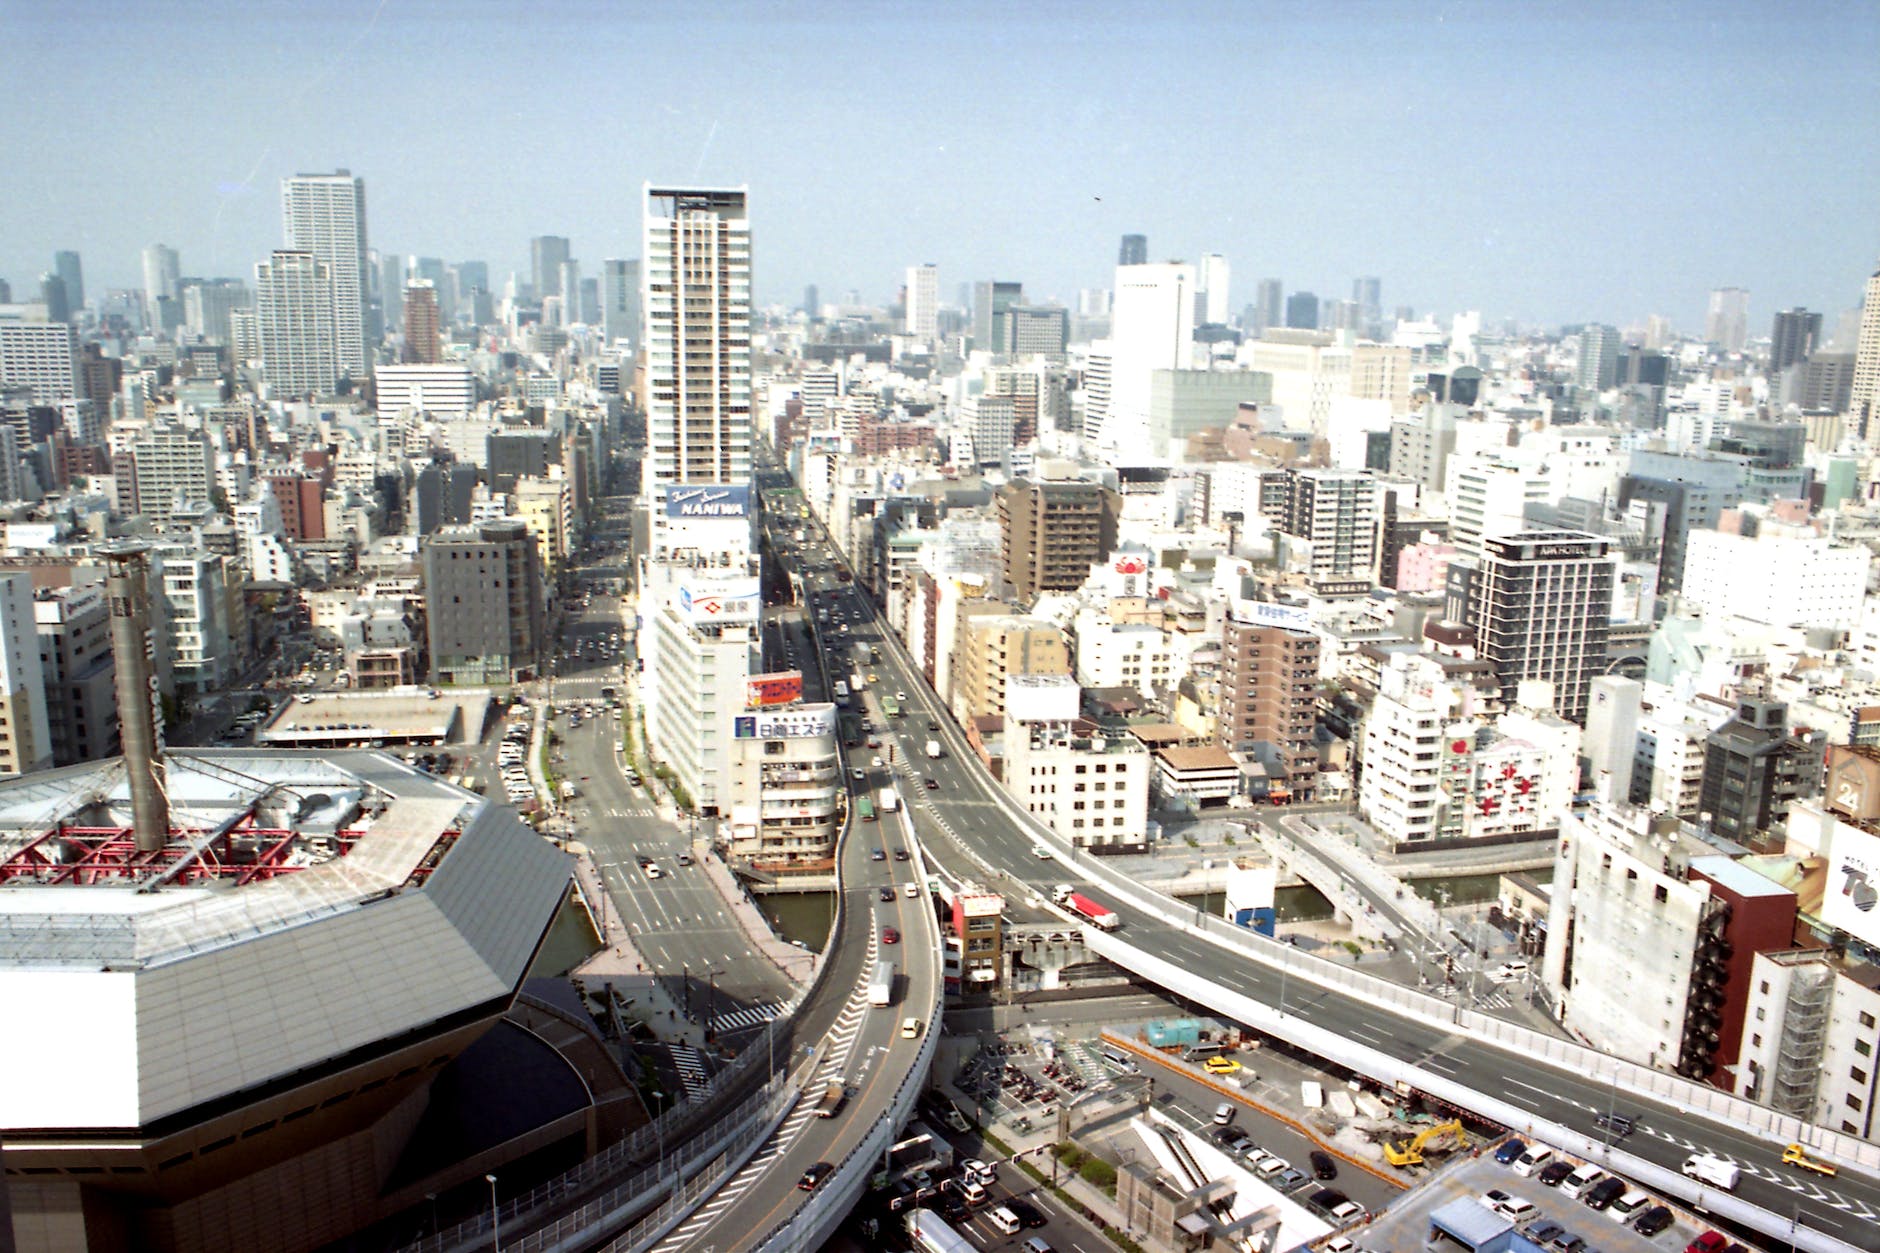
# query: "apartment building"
1269,680
1089,786
1053,531
989,648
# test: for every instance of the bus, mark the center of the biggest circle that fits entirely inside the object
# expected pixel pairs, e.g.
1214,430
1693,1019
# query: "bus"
865,808
890,707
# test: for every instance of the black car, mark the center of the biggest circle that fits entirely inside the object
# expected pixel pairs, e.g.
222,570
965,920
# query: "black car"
1605,1192
879,854
1323,1167
1553,1172
1225,1136
1327,1199
1618,1124
814,1176
1652,1221
887,894
933,785
900,854
1026,1213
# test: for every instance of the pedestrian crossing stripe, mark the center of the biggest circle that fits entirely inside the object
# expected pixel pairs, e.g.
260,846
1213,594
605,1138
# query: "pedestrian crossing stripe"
691,1068
740,1019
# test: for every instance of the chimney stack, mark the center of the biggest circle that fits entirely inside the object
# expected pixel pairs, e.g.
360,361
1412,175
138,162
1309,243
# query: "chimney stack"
127,588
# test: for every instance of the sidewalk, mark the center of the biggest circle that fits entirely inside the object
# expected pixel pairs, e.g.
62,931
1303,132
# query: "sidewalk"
797,964
621,964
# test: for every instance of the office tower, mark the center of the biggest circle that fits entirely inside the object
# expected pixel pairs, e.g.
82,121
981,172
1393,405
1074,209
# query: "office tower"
325,215
165,469
1599,358
1863,397
990,301
1268,697
483,586
923,301
208,304
162,278
696,293
391,291
42,356
1336,512
473,276
71,271
443,391
25,739
1540,607
294,320
812,302
1211,290
590,302
1151,328
1793,338
423,344
569,289
546,255
1368,294
1269,305
80,673
1052,532
620,301
52,295
1032,330
1754,766
1134,250
1726,321
1302,311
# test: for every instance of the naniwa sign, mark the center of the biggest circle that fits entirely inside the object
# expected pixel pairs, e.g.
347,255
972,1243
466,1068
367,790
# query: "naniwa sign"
709,500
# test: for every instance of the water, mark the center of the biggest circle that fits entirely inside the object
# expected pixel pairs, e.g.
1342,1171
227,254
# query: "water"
804,916
1295,904
1470,889
571,941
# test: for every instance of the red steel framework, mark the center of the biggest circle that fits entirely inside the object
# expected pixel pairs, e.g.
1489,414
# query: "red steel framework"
84,855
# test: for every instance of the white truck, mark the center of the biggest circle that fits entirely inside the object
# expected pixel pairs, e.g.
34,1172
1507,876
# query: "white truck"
881,986
1718,1172
890,800
933,750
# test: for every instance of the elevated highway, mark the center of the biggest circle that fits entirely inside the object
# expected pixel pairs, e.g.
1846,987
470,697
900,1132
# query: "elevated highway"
1536,1084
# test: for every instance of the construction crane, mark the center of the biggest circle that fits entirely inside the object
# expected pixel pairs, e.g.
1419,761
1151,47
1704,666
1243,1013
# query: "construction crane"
1410,1153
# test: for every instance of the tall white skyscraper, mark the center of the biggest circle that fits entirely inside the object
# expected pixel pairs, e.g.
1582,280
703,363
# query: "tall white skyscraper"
620,301
1726,323
294,317
25,733
325,215
1212,282
162,278
1864,400
1152,327
923,301
695,290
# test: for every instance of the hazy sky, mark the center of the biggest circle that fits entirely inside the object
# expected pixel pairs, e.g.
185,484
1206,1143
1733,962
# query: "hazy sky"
1549,163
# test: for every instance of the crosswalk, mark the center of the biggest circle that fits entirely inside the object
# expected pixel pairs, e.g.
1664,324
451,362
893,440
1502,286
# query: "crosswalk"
691,1069
838,1045
634,813
740,1019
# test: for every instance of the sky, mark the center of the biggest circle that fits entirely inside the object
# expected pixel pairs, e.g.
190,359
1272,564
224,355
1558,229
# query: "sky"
1545,163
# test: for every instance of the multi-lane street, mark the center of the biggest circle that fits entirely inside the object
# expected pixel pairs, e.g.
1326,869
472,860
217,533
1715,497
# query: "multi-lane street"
974,831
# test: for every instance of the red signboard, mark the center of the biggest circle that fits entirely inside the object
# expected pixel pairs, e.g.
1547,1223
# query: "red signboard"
785,687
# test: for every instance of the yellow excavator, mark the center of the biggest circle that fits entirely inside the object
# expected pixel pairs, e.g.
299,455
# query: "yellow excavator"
1410,1153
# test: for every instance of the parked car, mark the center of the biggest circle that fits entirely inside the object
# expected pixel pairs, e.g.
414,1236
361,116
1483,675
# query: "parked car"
1510,1150
1553,1172
1653,1220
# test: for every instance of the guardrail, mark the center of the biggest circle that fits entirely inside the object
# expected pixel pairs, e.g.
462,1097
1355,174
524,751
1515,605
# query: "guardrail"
813,1221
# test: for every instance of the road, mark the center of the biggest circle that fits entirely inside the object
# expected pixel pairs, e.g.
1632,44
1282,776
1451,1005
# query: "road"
966,825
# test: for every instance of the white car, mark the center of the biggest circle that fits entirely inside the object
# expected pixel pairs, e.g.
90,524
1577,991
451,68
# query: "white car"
1041,852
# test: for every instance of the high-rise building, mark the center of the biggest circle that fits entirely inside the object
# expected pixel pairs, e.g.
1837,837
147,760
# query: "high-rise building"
1793,338
1599,358
569,290
52,295
696,296
1754,765
547,253
812,302
1368,294
208,304
168,468
473,280
71,271
1211,290
1269,680
1540,607
42,356
25,735
1053,531
423,342
294,319
1133,251
1302,311
923,301
588,304
162,281
1152,327
325,215
620,301
1726,321
991,299
1336,512
1269,305
1863,398
483,590
79,670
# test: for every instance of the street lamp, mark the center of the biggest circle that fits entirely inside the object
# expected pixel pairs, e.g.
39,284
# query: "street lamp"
496,1230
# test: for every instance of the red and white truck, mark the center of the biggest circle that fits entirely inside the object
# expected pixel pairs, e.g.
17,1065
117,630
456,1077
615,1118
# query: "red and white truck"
1093,912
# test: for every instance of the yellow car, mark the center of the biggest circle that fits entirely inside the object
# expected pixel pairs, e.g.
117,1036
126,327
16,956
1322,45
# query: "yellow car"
1220,1065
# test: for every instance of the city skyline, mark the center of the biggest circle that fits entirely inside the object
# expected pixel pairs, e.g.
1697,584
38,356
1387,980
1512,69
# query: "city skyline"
1564,176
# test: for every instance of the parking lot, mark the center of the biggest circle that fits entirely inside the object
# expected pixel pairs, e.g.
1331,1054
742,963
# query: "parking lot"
1538,1204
